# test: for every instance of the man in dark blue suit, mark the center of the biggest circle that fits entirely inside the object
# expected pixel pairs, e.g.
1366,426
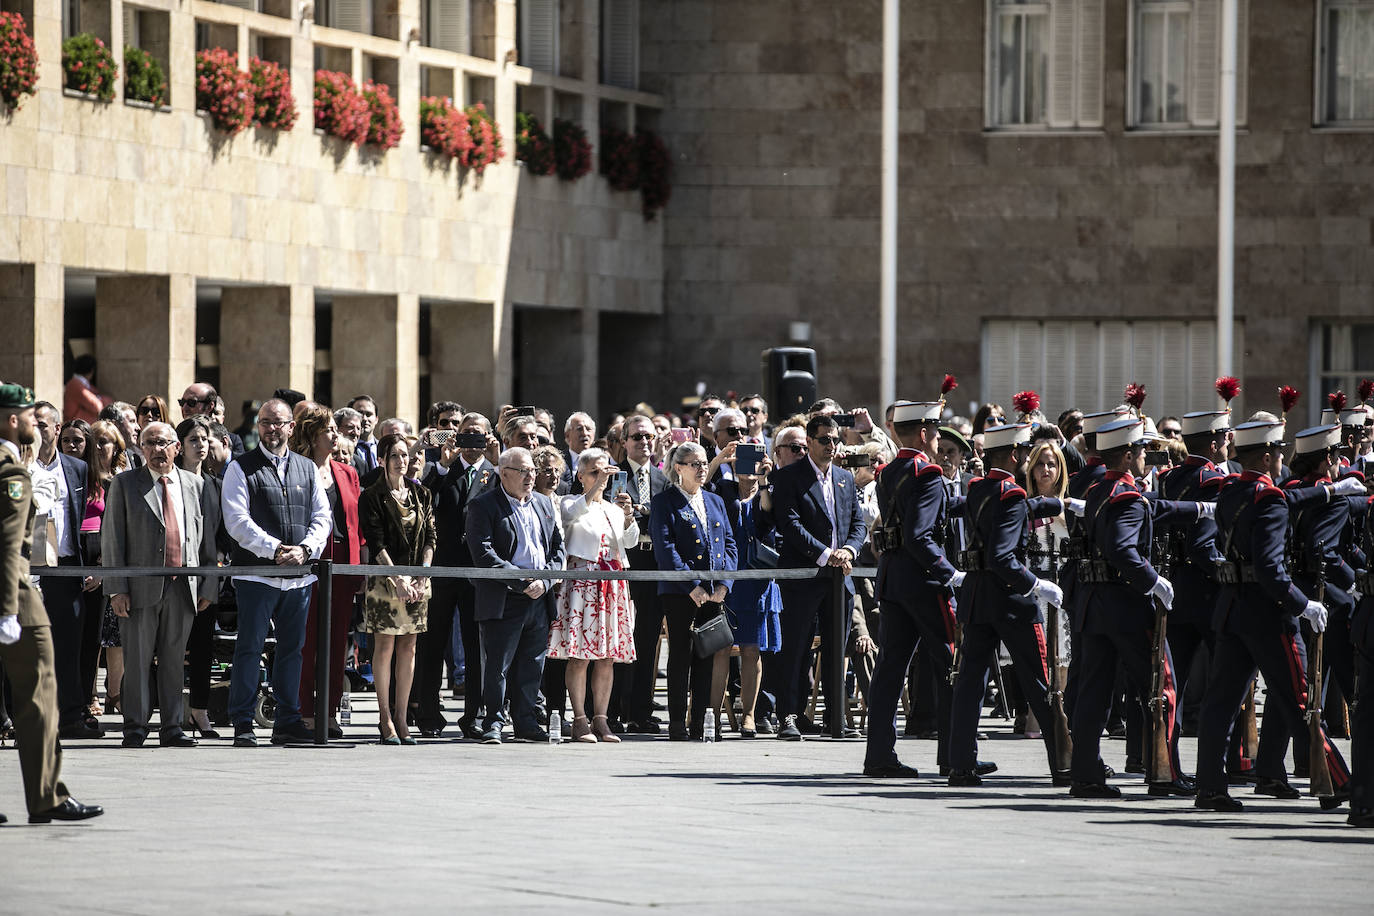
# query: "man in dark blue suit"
816,511
457,477
915,583
62,596
513,527
1256,621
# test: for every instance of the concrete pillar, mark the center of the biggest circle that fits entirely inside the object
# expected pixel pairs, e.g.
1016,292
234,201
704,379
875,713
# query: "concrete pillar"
505,88
469,355
558,360
31,347
145,335
266,341
376,351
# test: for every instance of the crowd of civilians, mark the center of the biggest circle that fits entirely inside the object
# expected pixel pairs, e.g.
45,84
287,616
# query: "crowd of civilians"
304,481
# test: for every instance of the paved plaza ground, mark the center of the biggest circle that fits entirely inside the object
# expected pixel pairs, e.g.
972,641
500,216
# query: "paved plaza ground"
738,826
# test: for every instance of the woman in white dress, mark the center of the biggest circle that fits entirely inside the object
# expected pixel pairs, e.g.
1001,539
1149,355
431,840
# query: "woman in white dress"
595,624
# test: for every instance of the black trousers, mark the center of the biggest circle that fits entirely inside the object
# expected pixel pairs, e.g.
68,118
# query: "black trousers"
805,604
692,673
636,683
1102,655
903,626
1282,659
62,598
452,598
1362,732
1025,643
199,651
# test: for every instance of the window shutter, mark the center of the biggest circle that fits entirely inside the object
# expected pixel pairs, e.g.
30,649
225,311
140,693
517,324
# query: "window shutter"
620,43
1063,42
1202,366
130,25
1174,395
353,15
448,25
1087,364
1204,102
999,360
1056,390
1116,361
243,4
1090,62
539,35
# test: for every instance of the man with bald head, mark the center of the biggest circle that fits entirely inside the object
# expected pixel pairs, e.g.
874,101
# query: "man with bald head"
513,527
201,400
154,516
277,513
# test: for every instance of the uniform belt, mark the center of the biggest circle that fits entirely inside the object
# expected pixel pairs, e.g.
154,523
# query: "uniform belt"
1097,571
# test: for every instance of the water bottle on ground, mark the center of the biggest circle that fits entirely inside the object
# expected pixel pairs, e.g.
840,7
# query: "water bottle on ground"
345,710
555,727
708,730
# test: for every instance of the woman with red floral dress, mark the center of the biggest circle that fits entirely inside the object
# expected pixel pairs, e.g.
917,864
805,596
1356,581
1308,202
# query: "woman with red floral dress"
596,620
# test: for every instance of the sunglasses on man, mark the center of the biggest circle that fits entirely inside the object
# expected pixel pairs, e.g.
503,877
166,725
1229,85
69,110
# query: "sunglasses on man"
192,402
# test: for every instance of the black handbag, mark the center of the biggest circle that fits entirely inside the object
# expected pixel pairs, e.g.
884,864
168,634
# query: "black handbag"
712,636
765,557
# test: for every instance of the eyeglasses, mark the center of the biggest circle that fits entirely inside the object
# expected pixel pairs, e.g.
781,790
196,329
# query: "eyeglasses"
547,470
543,441
523,472
827,440
707,410
752,409
642,437
735,431
446,422
159,444
189,402
149,411
796,449
1171,432
274,424
694,465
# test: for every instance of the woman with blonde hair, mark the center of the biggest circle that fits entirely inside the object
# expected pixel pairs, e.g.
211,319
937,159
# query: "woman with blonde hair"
105,457
1046,475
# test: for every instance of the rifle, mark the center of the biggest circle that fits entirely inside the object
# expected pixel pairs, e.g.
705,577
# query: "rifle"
1063,741
1160,762
1320,775
958,660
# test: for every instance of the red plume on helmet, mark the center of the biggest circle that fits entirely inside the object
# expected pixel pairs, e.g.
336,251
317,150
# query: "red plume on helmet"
948,385
1288,396
1135,396
1337,400
1366,390
1026,402
1228,386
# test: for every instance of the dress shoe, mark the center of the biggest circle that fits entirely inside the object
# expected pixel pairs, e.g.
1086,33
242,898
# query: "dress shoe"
1180,788
847,731
1116,730
5,820
807,727
79,730
430,733
334,730
764,726
534,735
964,779
616,726
648,727
1277,788
133,739
1093,790
789,730
1358,817
471,730
492,735
677,733
1331,803
294,733
1217,801
69,810
1135,766
179,739
981,767
244,736
748,732
891,771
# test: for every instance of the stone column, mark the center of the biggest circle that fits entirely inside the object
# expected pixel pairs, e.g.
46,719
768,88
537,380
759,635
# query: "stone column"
469,355
145,335
558,360
266,341
376,350
31,347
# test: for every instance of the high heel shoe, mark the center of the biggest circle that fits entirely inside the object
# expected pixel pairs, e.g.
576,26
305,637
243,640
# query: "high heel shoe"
406,739
392,739
200,724
746,728
602,728
112,703
582,730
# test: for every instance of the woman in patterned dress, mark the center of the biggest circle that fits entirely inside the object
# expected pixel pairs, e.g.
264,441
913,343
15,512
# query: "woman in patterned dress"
596,620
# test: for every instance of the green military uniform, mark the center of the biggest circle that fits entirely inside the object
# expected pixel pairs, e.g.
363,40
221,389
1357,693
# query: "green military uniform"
28,662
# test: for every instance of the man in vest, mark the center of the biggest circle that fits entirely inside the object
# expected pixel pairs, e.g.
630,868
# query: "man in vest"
276,513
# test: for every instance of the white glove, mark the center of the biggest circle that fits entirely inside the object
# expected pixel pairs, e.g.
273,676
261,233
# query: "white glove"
1315,612
1206,510
1348,486
1163,589
9,630
956,580
1075,506
1046,592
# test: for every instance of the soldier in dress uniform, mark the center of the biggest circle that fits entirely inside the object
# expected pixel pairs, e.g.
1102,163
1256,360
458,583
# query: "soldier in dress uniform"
25,634
915,585
1362,702
1256,619
1118,588
1001,599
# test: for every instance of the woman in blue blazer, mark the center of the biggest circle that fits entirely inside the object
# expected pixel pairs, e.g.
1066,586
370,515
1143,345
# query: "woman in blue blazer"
691,530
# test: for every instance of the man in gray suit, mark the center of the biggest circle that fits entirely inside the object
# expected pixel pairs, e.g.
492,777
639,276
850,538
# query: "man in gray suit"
154,517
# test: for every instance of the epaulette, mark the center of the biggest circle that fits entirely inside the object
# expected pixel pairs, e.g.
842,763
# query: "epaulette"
1264,492
1216,480
1358,475
1010,490
920,467
1125,494
1293,483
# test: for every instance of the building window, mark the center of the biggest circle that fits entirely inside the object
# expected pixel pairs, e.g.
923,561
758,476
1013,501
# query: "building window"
539,34
1175,66
1044,64
1345,56
1087,364
1344,354
620,43
446,24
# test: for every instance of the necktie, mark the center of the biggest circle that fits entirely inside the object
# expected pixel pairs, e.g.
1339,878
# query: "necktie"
643,479
472,472
171,554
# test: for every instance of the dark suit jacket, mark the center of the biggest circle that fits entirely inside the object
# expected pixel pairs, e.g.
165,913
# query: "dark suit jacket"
133,533
658,482
800,516
380,521
451,499
492,537
681,542
74,472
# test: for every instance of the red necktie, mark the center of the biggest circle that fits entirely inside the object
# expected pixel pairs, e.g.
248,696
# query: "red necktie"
171,554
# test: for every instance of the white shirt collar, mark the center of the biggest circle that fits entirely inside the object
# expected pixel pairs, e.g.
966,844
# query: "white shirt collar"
634,466
822,475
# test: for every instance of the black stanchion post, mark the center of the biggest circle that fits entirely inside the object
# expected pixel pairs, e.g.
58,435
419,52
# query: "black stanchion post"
835,704
324,594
